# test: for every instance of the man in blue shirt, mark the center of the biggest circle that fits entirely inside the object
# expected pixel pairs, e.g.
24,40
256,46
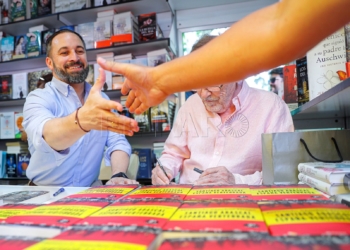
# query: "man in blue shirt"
69,123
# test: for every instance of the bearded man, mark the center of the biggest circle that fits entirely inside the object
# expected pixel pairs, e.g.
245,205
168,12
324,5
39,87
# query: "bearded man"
218,130
69,123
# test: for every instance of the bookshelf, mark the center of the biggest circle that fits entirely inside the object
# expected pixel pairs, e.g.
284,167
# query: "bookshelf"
329,110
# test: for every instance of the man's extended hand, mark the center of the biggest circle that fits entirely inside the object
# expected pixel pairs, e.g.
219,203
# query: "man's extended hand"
216,176
159,178
96,112
120,180
142,88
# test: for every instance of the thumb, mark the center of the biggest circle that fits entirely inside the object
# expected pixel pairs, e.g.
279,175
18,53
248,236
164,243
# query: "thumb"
100,80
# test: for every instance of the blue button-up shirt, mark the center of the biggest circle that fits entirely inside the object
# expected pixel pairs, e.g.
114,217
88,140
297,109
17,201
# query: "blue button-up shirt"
78,165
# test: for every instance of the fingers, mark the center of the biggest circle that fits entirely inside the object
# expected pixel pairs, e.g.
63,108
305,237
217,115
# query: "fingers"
159,178
98,85
121,124
142,108
120,180
115,67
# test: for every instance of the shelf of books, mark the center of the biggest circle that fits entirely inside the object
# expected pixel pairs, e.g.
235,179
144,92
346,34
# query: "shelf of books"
332,104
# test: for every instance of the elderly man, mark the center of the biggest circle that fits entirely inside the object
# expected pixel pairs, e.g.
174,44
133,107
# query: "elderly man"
218,130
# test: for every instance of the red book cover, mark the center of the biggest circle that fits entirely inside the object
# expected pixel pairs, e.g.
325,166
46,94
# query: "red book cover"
302,218
285,192
106,192
99,239
149,213
217,217
255,242
14,209
223,192
290,84
17,242
174,192
61,213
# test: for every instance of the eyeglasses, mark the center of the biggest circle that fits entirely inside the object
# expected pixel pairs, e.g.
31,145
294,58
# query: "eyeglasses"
272,80
211,89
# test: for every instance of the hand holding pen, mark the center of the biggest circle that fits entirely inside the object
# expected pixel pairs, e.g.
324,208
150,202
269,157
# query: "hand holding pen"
158,177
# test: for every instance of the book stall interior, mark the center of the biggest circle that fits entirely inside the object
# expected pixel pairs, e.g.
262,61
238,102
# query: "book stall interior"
302,200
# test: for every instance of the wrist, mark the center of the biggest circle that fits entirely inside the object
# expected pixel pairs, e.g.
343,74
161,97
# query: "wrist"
79,122
120,175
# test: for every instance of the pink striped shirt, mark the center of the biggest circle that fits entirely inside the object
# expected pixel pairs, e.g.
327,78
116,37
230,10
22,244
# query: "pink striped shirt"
199,139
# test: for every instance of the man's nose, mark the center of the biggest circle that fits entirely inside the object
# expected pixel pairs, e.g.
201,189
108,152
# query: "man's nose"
73,56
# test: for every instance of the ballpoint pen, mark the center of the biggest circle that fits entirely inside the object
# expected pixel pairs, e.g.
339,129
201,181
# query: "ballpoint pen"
162,168
61,190
198,170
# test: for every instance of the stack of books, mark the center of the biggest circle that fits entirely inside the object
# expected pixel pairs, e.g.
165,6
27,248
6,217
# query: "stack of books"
326,177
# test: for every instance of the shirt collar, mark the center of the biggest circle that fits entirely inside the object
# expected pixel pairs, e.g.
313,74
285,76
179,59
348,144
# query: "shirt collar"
65,89
239,99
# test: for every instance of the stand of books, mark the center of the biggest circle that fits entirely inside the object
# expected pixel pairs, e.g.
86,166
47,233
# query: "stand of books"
172,217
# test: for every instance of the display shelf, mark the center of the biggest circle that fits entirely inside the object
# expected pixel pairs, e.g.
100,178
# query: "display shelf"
12,102
333,105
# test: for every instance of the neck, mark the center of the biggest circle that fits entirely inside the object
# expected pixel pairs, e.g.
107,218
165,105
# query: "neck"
80,90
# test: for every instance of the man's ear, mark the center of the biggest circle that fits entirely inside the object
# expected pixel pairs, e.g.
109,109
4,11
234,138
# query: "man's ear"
49,63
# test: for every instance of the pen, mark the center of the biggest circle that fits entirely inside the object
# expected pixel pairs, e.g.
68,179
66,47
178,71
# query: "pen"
61,190
198,170
161,166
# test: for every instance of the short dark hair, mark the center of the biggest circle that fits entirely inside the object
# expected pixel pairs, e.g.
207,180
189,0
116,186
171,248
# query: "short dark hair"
202,41
49,40
277,71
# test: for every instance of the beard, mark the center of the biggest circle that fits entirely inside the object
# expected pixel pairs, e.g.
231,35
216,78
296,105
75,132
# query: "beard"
77,77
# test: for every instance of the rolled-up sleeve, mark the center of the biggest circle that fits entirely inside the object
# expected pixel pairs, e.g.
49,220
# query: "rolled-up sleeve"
115,142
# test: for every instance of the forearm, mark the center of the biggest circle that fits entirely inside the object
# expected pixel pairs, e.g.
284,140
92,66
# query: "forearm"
272,36
119,161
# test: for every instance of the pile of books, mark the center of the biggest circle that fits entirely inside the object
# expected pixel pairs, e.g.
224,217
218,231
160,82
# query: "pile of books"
326,177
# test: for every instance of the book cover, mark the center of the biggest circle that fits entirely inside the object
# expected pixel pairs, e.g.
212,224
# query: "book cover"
33,44
18,242
106,192
8,210
44,36
86,30
20,47
157,57
160,120
290,86
326,172
147,26
143,121
140,213
223,216
44,7
7,46
302,218
328,188
19,85
99,238
347,41
18,10
285,192
7,125
22,164
19,196
219,192
123,23
18,125
145,166
33,8
5,87
302,80
33,78
174,192
62,213
103,30
325,63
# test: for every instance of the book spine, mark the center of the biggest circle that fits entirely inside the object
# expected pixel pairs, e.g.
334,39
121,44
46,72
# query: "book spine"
320,185
314,172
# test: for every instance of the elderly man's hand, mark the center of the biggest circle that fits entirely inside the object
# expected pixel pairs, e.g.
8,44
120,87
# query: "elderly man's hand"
216,176
120,181
140,84
159,178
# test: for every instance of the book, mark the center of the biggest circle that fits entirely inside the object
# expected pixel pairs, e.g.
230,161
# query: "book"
19,196
106,192
5,87
33,44
22,164
143,121
44,36
218,192
86,30
173,192
157,57
160,117
285,192
290,86
11,166
33,5
7,125
147,26
306,218
138,213
2,165
20,47
33,78
326,172
40,28
61,214
347,41
302,81
18,125
145,166
11,209
330,189
18,10
19,85
18,242
7,46
325,62
44,8
100,238
219,216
